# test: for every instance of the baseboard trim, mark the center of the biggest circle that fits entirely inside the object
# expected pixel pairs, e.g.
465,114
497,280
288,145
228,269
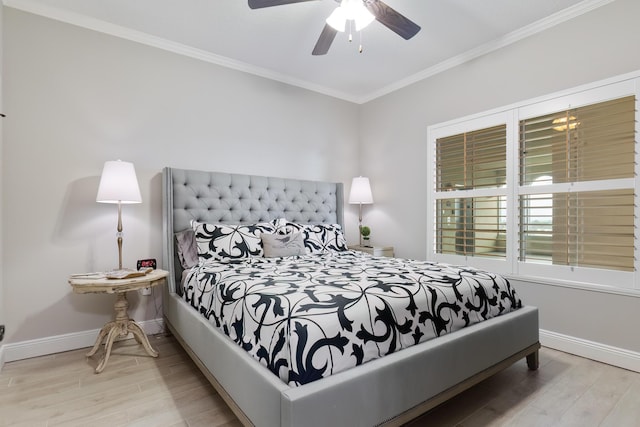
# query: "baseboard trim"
59,343
580,347
591,350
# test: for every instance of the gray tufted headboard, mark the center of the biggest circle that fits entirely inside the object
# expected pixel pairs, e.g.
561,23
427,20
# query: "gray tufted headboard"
217,197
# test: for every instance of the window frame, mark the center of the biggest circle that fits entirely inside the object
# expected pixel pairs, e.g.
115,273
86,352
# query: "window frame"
511,115
454,128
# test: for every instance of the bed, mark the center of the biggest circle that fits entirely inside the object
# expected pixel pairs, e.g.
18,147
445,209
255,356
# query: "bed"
387,390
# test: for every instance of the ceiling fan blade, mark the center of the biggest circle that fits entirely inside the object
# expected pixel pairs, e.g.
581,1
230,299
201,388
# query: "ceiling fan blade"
391,19
258,4
324,41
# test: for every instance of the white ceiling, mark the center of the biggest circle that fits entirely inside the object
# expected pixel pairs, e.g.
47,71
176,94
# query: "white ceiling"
276,42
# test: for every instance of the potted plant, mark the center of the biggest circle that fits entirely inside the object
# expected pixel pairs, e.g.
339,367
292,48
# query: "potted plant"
365,232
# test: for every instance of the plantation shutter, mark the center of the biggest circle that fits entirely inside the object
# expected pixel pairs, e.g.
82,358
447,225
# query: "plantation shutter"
468,223
576,186
472,160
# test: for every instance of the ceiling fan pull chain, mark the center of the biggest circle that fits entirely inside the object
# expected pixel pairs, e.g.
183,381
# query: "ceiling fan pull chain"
350,31
360,47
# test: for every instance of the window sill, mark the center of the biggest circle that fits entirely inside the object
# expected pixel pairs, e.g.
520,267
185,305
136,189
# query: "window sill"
574,285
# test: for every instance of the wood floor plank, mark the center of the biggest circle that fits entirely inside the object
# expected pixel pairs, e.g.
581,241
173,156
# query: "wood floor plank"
169,391
566,390
600,399
627,410
217,417
522,393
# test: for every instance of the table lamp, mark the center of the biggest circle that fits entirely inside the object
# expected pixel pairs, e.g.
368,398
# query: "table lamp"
360,194
119,184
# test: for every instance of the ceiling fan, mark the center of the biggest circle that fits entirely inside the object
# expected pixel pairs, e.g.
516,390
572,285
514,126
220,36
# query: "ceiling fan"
375,9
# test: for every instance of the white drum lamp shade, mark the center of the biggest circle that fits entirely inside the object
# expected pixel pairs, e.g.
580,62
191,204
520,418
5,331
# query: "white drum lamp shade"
360,194
119,184
360,191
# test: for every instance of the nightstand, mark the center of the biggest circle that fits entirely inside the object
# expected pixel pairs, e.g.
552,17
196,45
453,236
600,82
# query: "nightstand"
122,324
374,250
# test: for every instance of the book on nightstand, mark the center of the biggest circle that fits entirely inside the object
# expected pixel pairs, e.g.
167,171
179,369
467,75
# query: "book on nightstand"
127,273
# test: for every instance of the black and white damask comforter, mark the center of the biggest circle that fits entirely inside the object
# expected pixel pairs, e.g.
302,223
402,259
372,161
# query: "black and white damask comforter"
307,317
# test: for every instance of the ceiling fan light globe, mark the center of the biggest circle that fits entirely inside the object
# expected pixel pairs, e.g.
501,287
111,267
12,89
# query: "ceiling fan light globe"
363,18
351,8
338,19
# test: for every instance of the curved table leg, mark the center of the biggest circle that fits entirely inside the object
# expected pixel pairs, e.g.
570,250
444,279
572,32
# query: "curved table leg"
113,334
121,326
142,338
103,333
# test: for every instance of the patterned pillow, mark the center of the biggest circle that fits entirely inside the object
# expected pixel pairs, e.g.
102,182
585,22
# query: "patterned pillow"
319,238
280,226
280,245
227,241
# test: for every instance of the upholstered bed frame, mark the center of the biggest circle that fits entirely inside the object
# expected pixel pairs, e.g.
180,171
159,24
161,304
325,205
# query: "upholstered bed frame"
390,390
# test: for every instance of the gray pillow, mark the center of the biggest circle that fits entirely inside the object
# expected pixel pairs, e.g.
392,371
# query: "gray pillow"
187,249
279,245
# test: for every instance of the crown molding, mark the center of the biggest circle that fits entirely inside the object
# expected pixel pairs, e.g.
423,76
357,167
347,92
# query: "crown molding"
38,8
513,37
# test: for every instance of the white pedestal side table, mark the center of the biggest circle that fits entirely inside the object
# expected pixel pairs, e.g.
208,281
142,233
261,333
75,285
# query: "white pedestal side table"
122,324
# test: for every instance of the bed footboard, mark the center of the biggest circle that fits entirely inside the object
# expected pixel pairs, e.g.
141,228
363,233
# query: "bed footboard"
403,385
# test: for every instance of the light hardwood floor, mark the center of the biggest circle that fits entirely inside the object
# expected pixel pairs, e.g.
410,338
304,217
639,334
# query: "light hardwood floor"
137,390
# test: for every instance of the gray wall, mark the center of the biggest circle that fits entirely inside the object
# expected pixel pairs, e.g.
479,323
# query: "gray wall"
393,132
78,98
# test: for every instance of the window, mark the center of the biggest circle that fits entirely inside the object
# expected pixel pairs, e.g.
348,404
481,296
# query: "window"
470,224
544,189
593,146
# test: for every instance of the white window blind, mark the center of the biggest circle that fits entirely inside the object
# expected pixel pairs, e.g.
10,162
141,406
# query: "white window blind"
468,220
471,226
576,186
545,189
472,160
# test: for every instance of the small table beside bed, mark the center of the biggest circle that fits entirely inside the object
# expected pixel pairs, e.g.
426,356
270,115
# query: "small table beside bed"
294,329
